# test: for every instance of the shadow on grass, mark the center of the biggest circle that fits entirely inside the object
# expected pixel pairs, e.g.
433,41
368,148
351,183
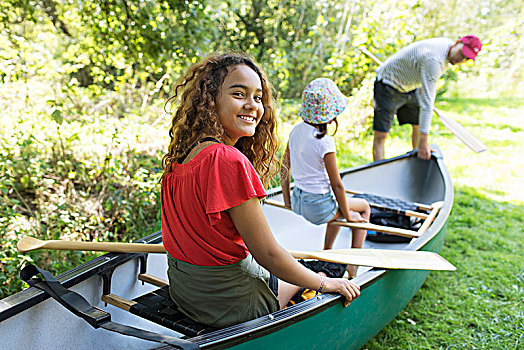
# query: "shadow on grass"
460,105
478,107
480,305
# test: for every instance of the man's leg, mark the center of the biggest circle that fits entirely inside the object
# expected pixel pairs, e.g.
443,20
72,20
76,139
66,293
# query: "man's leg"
408,114
379,142
385,105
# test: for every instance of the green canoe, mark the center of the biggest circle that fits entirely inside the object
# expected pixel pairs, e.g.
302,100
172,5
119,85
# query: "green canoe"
32,320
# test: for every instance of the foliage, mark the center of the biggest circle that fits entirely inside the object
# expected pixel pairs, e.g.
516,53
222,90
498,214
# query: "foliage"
59,180
121,45
82,86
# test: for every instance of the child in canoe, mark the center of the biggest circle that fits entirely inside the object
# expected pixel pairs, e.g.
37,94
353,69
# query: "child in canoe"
225,265
319,194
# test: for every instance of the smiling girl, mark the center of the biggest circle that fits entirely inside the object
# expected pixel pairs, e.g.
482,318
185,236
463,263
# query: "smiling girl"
225,266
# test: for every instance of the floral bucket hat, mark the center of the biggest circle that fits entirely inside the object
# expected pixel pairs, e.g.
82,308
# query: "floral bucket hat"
322,101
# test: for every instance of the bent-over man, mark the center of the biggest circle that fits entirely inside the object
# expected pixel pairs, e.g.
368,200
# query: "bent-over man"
406,85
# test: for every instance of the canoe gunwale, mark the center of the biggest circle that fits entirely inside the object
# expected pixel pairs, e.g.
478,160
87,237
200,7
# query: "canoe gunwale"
30,297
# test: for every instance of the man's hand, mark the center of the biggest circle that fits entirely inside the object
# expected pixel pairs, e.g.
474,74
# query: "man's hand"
424,151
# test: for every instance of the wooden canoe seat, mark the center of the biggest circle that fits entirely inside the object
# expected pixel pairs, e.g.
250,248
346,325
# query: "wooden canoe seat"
158,307
390,202
399,213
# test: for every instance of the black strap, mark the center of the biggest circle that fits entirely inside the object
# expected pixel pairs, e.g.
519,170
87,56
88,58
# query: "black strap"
205,139
96,317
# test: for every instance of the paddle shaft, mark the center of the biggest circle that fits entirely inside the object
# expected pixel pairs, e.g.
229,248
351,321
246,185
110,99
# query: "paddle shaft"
360,225
455,127
115,247
351,256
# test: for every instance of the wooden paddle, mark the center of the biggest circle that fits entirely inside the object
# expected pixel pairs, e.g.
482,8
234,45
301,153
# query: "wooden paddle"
360,225
389,259
461,132
452,125
29,243
383,258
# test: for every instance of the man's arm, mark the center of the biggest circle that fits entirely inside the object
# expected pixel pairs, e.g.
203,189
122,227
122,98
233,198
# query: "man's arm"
431,71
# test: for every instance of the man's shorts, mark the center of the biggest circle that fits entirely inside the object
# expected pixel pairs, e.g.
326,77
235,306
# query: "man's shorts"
315,208
388,102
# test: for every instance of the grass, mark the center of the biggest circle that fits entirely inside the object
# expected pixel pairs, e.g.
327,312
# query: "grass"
481,305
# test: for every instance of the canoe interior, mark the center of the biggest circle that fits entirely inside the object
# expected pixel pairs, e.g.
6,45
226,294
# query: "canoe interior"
318,323
407,178
410,179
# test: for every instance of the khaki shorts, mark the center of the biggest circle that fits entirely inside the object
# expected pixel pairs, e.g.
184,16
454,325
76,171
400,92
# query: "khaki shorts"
221,296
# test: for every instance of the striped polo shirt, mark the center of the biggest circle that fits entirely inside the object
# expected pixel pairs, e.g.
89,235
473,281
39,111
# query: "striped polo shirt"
420,64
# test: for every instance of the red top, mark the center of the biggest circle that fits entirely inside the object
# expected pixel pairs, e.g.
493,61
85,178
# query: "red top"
195,227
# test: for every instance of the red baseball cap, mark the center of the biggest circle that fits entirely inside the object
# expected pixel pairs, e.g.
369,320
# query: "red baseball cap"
472,46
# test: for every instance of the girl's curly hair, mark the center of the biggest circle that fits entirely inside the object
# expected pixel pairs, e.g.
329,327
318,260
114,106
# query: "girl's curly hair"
196,115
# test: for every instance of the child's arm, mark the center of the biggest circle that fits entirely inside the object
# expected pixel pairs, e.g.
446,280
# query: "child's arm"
252,225
285,178
330,161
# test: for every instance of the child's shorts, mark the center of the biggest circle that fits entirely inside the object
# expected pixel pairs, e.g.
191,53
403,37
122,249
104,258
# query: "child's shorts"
314,207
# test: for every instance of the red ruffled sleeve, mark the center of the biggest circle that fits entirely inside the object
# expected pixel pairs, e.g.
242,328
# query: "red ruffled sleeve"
227,180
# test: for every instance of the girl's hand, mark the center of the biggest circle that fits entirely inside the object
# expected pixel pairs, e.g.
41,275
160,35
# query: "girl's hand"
342,286
355,217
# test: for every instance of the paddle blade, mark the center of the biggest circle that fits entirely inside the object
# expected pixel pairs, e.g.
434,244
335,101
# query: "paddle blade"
382,258
28,243
461,132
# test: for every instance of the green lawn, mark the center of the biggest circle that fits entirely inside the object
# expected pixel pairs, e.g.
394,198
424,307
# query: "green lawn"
481,305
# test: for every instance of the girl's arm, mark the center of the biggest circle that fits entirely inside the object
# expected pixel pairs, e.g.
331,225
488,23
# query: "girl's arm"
251,223
285,177
330,161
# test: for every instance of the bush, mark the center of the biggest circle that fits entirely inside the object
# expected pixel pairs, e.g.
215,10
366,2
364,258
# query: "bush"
76,177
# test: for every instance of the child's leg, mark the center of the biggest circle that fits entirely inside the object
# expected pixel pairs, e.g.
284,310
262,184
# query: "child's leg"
358,235
362,207
332,231
331,234
286,292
